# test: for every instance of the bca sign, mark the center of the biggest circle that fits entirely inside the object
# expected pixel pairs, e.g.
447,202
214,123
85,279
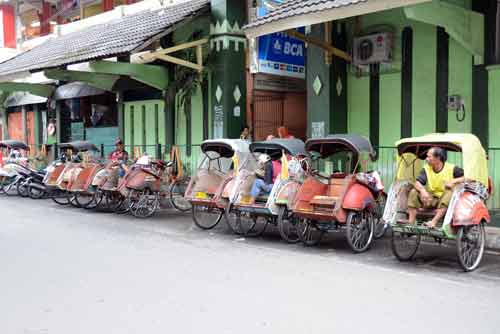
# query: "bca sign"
281,54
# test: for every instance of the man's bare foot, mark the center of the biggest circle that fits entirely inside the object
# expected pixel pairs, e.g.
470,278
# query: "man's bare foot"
430,224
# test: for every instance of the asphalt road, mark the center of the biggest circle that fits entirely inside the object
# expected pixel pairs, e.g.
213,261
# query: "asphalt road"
65,270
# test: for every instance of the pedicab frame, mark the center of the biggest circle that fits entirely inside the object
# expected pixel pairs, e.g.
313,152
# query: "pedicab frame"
342,200
55,179
467,213
216,170
252,219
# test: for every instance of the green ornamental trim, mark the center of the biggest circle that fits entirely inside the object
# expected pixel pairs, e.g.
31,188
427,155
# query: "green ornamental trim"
464,26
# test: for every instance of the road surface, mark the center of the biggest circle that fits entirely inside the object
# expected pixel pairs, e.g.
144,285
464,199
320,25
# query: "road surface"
66,270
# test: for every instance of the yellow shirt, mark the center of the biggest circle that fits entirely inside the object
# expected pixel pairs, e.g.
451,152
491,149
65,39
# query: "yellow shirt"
436,181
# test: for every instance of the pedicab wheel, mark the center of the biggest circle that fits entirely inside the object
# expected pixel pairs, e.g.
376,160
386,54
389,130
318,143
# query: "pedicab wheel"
116,202
61,200
287,225
404,245
309,234
360,228
177,199
84,200
35,193
470,246
22,189
97,198
380,225
73,202
206,218
251,225
231,216
146,205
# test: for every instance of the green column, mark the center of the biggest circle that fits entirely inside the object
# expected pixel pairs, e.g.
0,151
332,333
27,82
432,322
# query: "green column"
228,88
120,111
319,78
58,122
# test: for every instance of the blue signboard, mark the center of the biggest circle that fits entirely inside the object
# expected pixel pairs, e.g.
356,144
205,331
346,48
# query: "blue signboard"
281,54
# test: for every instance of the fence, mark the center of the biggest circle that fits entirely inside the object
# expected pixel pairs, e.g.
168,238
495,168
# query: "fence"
385,164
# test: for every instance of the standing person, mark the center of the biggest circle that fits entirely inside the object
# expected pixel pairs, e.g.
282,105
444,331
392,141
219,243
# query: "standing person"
283,133
245,133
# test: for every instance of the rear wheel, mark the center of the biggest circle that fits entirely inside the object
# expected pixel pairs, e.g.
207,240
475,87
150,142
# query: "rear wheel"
116,202
287,225
359,230
308,233
60,198
206,218
404,245
35,192
177,199
22,188
470,246
232,220
146,205
84,200
251,225
9,186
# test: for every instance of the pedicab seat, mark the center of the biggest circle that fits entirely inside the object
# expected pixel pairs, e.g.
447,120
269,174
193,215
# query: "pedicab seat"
262,198
426,212
324,200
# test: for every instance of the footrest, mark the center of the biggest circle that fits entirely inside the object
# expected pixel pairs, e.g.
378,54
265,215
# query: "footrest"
324,201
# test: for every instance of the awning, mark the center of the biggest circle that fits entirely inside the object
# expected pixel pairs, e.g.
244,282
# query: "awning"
299,13
23,98
123,36
76,89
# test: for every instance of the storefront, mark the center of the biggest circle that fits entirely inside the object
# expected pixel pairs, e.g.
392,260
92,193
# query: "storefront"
392,69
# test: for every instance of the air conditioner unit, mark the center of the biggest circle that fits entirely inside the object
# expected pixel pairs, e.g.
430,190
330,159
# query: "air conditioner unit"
371,49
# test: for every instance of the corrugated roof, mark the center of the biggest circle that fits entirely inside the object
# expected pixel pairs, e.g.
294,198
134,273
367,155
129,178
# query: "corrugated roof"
300,7
106,40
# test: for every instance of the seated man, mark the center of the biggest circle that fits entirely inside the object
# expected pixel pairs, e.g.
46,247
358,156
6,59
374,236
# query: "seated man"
434,186
264,179
120,156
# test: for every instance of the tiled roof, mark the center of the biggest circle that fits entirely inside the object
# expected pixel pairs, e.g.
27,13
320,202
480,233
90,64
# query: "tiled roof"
113,38
300,7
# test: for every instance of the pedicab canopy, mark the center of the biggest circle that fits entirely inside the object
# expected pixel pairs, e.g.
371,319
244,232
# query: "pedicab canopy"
474,160
235,149
275,147
226,148
79,145
359,146
14,144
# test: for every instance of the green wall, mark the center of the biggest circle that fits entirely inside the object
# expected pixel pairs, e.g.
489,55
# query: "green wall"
144,125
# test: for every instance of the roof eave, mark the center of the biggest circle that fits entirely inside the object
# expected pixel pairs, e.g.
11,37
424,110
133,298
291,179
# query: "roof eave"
361,8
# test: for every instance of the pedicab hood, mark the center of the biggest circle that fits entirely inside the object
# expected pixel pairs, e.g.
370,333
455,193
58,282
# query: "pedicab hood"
475,164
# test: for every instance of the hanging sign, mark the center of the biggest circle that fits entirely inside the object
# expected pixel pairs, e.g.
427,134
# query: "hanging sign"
279,53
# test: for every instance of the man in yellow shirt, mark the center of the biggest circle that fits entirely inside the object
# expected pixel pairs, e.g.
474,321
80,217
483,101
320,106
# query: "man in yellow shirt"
434,186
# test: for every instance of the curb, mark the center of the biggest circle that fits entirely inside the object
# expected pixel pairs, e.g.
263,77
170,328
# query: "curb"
493,238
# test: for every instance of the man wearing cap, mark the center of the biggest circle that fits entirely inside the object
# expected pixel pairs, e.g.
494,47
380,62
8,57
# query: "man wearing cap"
264,177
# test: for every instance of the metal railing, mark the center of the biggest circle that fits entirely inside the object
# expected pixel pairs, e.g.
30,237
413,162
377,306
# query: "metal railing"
385,163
